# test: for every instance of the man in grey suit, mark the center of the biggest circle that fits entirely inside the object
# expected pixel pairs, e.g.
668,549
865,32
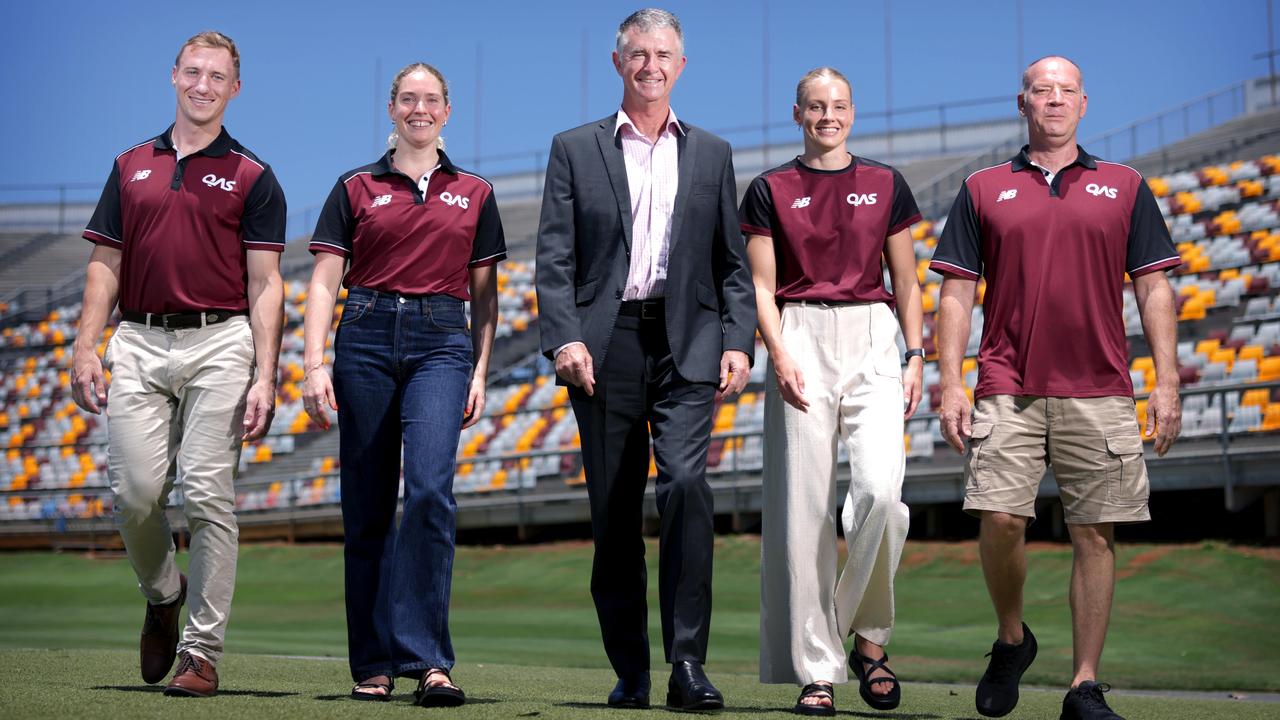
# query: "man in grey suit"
647,306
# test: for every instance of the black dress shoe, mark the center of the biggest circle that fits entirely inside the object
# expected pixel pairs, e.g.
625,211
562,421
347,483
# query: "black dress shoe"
631,692
689,688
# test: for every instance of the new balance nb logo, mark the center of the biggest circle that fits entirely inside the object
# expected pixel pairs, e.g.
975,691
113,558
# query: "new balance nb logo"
380,200
801,203
1095,190
214,181
449,198
140,175
1007,195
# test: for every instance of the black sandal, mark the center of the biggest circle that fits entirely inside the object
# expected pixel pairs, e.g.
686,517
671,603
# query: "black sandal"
445,694
386,687
859,662
816,690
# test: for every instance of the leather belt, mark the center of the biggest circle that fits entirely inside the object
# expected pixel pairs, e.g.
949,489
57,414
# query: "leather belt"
182,320
644,309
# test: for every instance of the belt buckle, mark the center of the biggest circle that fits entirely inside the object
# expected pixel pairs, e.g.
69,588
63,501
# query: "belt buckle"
649,310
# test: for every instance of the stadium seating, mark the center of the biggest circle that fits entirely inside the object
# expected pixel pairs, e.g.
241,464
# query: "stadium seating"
1225,220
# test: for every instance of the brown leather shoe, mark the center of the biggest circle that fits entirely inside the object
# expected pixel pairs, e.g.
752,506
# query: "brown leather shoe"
159,645
195,677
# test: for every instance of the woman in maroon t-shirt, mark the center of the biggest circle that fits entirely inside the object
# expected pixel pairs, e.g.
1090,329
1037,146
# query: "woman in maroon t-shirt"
818,227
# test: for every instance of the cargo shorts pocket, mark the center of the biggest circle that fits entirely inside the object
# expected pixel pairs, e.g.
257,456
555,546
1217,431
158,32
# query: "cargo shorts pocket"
975,462
1126,470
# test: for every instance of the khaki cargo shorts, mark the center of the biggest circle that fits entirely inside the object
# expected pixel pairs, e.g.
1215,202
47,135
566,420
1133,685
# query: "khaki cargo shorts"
1092,444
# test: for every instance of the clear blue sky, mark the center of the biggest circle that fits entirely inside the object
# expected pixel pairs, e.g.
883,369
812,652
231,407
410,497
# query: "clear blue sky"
82,81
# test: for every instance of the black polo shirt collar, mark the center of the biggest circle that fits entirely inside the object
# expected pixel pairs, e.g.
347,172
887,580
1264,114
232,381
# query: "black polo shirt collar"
385,167
1022,161
220,146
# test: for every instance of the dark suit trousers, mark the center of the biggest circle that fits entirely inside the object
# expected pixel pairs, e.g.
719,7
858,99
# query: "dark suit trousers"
637,391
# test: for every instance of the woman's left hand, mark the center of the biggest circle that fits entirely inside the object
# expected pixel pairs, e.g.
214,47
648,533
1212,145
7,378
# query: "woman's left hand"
912,380
475,401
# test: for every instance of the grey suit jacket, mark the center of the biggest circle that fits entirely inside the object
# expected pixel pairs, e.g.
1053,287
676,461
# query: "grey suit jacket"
584,250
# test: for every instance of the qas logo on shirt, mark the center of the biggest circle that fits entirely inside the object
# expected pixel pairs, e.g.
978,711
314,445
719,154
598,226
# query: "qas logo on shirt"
380,200
452,200
214,181
1095,190
855,199
140,175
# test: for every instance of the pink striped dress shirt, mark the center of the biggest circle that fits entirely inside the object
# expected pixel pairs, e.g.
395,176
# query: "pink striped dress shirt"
653,176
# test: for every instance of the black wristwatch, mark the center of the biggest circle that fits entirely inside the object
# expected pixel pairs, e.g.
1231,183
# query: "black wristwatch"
913,352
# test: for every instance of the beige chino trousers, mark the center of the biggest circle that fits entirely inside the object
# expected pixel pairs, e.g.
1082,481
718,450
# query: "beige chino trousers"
175,408
853,382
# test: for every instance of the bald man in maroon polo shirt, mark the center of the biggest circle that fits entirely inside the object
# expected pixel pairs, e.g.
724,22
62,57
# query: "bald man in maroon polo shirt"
1054,231
187,235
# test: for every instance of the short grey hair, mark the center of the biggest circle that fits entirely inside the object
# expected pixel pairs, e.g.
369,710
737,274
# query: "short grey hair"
1026,74
647,20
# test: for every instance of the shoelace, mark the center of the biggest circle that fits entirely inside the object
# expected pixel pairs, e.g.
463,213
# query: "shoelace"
1001,668
187,663
1093,696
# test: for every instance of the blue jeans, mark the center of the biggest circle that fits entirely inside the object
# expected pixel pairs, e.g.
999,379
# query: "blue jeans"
401,371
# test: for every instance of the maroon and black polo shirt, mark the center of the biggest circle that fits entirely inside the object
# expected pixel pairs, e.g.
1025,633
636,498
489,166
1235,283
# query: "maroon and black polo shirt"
184,225
400,239
1054,255
829,227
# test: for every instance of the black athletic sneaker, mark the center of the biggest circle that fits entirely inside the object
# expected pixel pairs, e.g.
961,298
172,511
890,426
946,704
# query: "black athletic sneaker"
998,689
1085,702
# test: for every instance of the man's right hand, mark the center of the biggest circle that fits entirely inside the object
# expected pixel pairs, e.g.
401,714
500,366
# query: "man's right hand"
88,384
955,414
573,363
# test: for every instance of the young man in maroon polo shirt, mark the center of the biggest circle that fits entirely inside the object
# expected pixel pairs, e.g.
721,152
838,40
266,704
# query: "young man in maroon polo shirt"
188,236
1054,231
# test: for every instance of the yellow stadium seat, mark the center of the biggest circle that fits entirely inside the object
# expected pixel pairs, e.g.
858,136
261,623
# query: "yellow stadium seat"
1271,419
1223,355
1192,309
1251,352
1269,369
1256,398
1207,346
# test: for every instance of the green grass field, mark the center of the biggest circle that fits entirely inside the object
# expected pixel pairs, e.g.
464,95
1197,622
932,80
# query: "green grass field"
1187,617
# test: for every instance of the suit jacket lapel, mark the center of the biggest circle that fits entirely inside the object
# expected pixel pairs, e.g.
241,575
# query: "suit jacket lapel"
687,151
611,150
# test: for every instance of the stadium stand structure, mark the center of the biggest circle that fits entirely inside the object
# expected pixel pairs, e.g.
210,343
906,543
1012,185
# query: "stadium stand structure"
519,467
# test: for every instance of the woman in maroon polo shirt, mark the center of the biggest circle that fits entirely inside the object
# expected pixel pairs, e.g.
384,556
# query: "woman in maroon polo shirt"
817,229
417,238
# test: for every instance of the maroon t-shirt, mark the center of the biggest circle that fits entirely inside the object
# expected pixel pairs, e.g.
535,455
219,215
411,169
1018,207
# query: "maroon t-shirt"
1054,256
402,240
184,225
829,227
